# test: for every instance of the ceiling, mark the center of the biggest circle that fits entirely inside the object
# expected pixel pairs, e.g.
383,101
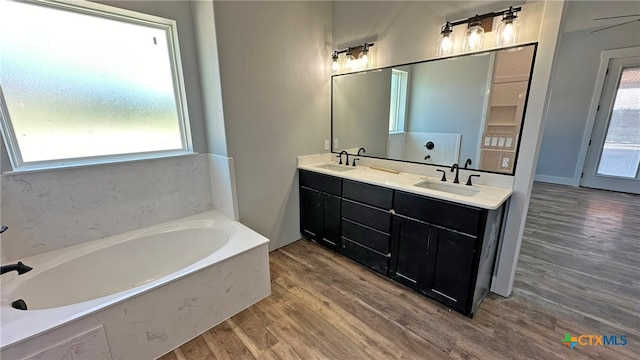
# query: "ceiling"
580,14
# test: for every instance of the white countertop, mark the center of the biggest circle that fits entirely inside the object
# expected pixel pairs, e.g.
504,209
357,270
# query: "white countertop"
487,197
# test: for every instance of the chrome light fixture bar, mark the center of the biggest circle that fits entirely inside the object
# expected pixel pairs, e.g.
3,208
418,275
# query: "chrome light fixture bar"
508,31
356,57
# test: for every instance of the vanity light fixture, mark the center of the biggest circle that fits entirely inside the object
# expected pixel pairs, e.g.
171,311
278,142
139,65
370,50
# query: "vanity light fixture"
356,57
445,40
509,28
508,31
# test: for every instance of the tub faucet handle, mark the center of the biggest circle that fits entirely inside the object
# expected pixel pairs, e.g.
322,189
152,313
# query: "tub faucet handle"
19,267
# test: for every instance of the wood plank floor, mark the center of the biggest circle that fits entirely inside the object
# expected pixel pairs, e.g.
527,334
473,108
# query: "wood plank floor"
578,273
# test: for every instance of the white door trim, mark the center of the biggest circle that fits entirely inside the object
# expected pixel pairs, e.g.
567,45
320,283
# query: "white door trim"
605,57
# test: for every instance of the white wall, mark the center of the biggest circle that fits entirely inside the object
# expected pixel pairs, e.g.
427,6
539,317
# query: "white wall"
276,97
209,69
573,88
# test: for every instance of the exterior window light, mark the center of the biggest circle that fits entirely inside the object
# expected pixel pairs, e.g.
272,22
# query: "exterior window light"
475,33
508,29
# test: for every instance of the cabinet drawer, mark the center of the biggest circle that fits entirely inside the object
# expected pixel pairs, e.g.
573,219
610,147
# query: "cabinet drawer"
326,183
461,218
366,215
368,194
368,237
366,257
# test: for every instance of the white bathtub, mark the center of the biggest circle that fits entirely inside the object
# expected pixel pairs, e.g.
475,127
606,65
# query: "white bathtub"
161,285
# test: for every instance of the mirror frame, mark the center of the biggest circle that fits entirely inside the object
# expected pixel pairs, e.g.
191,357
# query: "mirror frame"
524,113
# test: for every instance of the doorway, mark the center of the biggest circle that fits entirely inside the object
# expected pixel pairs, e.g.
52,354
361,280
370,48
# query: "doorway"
613,156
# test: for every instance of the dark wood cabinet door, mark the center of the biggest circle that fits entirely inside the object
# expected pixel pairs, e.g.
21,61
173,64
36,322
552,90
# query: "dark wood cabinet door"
409,253
311,209
331,221
452,255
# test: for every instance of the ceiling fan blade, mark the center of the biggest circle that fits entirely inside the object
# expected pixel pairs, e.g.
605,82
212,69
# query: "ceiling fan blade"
612,26
615,17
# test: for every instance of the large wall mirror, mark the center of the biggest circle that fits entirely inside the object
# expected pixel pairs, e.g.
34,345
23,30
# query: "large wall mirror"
437,112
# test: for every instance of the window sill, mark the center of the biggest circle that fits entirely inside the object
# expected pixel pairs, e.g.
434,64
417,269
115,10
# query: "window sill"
95,163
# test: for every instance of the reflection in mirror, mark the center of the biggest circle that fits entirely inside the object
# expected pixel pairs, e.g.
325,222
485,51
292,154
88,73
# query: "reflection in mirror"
437,112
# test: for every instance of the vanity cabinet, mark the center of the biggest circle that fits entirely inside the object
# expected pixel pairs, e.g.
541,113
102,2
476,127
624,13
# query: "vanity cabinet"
320,197
444,250
441,249
434,261
366,222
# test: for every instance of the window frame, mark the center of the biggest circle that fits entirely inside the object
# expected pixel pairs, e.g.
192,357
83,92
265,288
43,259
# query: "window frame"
170,29
400,116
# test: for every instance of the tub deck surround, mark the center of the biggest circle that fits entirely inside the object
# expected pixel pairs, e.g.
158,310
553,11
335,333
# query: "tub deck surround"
19,328
487,197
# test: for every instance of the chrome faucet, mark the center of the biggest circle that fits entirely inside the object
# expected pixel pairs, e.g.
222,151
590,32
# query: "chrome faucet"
455,168
340,156
19,267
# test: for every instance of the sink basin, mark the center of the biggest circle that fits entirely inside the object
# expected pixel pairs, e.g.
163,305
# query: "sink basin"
449,188
336,167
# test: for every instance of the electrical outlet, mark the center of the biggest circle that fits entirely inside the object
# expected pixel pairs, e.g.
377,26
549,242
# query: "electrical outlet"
504,164
327,146
335,144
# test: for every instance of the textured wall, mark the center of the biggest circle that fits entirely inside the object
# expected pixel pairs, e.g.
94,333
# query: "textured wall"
54,209
275,81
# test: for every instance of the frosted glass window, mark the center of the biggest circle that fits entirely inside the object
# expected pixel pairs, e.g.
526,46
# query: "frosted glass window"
86,86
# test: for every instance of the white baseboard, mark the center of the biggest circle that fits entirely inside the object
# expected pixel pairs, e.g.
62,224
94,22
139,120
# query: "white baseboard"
557,180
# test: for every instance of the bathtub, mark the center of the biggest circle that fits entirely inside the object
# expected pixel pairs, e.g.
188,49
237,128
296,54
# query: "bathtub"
134,295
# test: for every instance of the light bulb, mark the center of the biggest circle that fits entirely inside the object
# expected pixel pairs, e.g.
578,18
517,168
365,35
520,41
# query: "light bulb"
363,59
351,62
475,33
508,30
334,62
445,41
